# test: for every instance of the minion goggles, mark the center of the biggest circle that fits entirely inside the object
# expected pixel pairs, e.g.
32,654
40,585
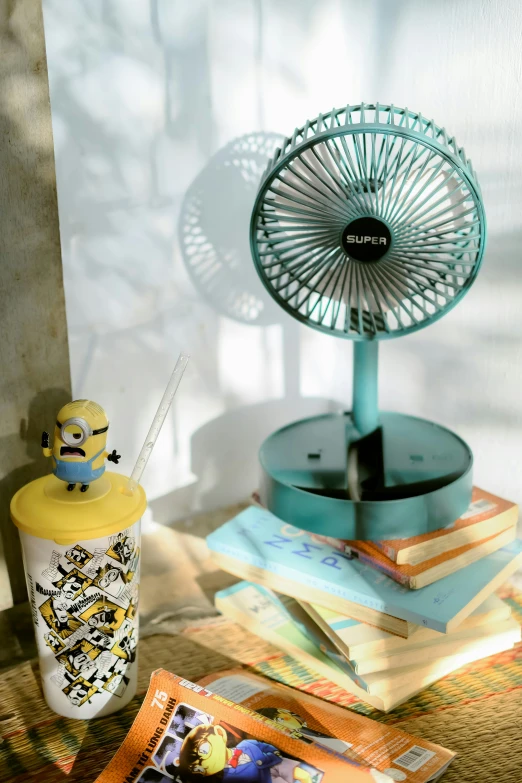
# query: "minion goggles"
71,436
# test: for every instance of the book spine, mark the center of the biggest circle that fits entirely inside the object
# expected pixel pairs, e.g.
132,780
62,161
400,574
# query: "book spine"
389,551
303,577
335,543
336,657
389,570
346,667
348,548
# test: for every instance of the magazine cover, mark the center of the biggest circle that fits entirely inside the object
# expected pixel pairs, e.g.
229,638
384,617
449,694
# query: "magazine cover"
184,732
393,752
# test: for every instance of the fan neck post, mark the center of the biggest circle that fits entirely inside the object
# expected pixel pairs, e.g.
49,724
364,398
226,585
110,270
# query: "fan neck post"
365,409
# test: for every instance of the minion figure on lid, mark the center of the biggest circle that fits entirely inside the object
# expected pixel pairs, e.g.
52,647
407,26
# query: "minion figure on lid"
80,437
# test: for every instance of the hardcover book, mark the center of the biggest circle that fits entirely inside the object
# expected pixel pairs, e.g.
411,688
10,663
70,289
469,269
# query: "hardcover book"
259,547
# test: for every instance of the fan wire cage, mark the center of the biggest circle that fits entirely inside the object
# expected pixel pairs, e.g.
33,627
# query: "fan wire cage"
345,174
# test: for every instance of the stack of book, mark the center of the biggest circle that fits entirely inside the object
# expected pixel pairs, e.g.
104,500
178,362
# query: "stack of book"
382,619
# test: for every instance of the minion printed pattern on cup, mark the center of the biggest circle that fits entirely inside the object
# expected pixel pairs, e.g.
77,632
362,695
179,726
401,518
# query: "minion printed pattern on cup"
85,603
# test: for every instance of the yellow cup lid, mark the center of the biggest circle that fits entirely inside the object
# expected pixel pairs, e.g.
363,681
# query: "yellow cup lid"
45,509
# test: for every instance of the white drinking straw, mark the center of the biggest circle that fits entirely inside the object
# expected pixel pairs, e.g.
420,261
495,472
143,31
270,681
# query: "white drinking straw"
157,423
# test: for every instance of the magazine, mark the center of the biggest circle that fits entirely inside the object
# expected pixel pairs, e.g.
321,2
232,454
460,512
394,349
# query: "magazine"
385,748
184,732
236,726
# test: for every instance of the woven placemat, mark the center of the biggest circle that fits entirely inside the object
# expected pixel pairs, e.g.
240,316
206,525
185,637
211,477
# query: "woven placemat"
476,711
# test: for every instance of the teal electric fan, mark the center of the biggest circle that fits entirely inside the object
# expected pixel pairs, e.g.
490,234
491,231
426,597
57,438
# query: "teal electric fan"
368,224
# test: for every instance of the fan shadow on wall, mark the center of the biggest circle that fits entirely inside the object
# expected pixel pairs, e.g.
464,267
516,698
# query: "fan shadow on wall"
213,234
213,230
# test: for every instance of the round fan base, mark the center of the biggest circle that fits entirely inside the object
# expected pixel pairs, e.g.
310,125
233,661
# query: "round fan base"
407,478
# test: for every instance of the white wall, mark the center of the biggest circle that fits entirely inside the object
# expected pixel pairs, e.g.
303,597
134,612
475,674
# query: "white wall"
147,98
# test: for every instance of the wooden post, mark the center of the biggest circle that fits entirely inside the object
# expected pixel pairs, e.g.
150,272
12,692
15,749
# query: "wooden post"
34,357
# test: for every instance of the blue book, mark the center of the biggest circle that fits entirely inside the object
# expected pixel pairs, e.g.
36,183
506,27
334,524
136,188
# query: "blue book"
258,546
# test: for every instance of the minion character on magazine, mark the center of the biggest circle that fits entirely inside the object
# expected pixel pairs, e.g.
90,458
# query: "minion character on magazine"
78,450
204,752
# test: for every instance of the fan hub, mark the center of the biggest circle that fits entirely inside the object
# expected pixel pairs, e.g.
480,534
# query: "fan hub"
366,239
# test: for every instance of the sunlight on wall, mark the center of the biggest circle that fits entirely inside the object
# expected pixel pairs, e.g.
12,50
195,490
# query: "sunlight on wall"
146,96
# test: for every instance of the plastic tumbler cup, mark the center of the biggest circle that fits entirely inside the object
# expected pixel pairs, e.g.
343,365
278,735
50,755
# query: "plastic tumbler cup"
82,562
